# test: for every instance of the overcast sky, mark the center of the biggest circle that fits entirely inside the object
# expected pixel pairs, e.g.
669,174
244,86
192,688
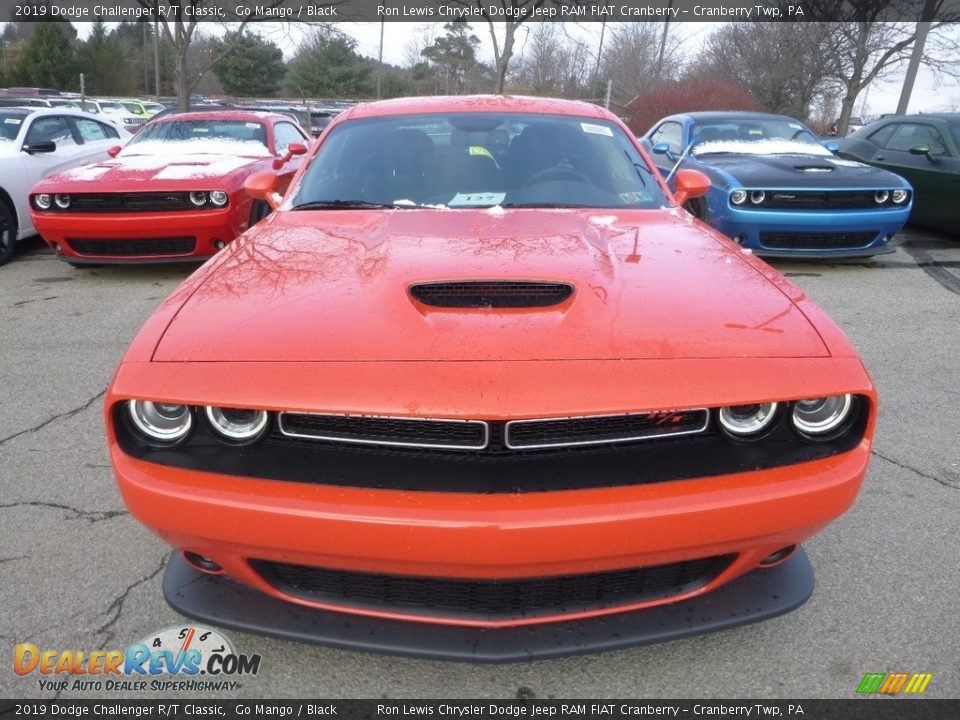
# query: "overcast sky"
929,95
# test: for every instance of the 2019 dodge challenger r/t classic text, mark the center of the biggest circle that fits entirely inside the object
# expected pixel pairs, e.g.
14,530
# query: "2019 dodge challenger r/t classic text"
479,388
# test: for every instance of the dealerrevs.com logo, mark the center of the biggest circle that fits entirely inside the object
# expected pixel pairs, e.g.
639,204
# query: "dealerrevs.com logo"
172,659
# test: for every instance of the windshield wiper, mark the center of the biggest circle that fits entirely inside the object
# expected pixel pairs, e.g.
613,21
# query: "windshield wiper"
346,205
544,205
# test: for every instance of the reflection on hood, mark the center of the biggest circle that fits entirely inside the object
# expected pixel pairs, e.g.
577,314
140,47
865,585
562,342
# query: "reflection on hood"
772,146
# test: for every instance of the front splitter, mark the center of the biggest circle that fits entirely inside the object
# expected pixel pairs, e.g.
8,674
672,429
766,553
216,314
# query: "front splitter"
759,595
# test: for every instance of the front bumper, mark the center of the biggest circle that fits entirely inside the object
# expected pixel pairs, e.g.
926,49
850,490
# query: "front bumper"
759,595
76,236
233,520
873,231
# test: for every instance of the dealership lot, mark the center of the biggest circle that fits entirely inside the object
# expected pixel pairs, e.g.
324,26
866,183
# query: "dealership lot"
79,573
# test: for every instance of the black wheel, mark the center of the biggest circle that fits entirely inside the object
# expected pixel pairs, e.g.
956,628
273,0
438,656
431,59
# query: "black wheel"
8,232
696,207
258,211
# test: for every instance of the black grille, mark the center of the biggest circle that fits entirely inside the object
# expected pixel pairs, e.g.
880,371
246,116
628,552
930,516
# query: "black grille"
491,294
152,246
449,434
130,202
820,200
817,240
595,430
492,599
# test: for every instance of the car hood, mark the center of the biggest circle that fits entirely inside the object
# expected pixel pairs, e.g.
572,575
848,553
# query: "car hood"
800,171
334,286
115,175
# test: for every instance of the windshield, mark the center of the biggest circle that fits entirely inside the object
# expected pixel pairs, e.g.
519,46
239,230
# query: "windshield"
207,136
755,136
109,105
466,160
133,107
10,125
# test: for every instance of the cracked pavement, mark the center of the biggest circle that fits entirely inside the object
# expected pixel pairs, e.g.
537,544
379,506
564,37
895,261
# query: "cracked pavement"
77,572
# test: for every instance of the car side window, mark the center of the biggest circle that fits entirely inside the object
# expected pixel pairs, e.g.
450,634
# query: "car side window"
670,133
51,128
91,130
284,134
908,135
882,136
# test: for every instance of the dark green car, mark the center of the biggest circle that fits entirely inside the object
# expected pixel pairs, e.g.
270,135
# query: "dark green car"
925,149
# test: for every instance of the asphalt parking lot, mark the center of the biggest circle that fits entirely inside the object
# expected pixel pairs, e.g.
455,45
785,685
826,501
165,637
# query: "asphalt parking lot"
77,572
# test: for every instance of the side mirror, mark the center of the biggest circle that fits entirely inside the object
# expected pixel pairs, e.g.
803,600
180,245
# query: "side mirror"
923,150
292,149
263,186
690,184
40,147
663,149
114,151
832,147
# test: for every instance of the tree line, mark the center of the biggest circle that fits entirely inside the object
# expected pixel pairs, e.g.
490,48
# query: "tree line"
815,71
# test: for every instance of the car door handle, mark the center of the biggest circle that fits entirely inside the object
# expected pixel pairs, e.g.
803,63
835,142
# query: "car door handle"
879,157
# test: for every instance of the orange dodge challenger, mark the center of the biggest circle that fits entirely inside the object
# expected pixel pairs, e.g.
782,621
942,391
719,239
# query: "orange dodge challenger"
479,388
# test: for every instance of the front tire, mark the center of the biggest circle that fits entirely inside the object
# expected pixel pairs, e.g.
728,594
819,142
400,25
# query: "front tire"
258,211
8,232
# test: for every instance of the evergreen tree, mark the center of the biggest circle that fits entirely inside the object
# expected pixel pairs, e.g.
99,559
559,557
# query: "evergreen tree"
454,56
254,66
97,60
49,59
328,66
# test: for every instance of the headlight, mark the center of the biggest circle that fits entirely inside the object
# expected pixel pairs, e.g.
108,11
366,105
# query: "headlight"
218,198
235,425
42,201
199,199
881,196
62,201
160,423
820,416
738,197
899,196
747,420
757,196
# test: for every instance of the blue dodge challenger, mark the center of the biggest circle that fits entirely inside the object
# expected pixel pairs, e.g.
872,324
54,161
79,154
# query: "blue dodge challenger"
775,188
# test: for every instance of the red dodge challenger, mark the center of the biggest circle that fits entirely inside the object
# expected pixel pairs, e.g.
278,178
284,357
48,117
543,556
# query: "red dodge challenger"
174,192
479,388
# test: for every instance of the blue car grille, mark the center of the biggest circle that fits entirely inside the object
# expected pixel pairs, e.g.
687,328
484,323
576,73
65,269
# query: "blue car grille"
819,200
817,240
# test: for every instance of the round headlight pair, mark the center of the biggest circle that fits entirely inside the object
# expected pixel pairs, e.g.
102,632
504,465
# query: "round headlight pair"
44,201
216,197
166,424
813,418
739,197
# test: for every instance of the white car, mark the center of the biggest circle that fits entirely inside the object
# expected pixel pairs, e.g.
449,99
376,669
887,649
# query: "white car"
116,111
36,143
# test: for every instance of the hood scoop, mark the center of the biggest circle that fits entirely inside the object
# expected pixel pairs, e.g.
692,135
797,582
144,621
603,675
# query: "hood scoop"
490,294
814,168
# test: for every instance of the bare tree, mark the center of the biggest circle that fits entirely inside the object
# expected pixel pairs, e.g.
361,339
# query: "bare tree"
551,63
179,21
874,37
631,55
779,64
